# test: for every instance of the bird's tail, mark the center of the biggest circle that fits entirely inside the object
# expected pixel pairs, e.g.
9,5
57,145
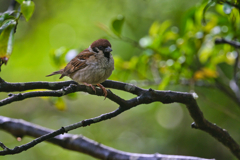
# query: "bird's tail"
57,72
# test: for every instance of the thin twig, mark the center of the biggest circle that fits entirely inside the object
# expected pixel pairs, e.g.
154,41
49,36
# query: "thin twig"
232,43
3,146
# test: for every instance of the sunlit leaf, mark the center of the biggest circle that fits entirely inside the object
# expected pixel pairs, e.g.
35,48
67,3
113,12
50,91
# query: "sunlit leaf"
205,52
164,26
219,9
210,73
165,81
6,41
160,34
198,16
27,8
117,25
60,104
133,62
234,18
170,36
153,31
189,25
187,16
142,65
72,96
211,23
205,73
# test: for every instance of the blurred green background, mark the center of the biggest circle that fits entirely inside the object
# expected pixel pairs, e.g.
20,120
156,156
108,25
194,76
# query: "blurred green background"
58,26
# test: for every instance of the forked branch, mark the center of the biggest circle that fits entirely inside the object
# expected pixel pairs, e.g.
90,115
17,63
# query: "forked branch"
143,97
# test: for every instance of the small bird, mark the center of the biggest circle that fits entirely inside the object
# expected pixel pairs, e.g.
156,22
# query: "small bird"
92,66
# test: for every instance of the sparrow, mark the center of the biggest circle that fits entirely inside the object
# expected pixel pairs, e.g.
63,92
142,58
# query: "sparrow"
92,66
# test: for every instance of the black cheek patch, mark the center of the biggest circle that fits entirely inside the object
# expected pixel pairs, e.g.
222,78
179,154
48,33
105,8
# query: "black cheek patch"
95,50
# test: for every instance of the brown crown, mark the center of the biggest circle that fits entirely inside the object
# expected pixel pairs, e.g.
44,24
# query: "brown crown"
101,42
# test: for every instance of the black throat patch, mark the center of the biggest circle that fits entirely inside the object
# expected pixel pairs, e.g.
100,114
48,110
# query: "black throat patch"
107,55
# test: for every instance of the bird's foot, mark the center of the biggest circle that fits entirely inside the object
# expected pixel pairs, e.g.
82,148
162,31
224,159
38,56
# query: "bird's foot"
104,90
90,85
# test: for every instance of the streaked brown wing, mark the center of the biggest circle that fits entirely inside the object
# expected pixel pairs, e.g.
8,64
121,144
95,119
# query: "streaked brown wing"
77,63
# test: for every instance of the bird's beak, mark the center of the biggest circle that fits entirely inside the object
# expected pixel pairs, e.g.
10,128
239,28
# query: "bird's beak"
108,49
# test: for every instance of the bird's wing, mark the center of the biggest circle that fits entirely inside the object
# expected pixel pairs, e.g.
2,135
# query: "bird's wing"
78,63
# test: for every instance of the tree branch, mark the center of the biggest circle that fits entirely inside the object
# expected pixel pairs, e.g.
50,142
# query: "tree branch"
58,93
18,87
225,41
21,128
143,97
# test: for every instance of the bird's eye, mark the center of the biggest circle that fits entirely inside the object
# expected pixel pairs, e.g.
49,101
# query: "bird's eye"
101,47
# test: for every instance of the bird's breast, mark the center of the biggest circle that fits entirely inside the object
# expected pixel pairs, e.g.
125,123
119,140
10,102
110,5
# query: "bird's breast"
96,71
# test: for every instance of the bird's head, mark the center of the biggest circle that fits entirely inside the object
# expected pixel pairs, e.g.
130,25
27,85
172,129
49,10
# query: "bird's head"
101,45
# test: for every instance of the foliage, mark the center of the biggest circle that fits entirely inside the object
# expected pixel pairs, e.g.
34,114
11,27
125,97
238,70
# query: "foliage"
8,24
186,51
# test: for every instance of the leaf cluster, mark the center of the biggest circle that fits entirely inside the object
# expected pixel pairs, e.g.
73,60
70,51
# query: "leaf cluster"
8,24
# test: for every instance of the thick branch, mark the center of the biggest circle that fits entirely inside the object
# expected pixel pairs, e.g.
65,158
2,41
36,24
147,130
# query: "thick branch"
16,87
20,128
144,97
58,93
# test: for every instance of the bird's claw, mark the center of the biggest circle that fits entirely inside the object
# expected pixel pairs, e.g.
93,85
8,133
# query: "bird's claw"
90,85
99,85
103,89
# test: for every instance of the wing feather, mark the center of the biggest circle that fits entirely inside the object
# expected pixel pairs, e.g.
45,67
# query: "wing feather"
77,63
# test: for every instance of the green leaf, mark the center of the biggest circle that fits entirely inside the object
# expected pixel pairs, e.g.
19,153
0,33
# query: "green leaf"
72,96
60,104
58,56
6,42
117,25
6,24
210,4
162,28
235,20
227,8
153,31
27,8
6,15
165,81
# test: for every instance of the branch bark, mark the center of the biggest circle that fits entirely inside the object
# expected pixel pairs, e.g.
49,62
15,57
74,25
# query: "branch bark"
143,97
79,143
